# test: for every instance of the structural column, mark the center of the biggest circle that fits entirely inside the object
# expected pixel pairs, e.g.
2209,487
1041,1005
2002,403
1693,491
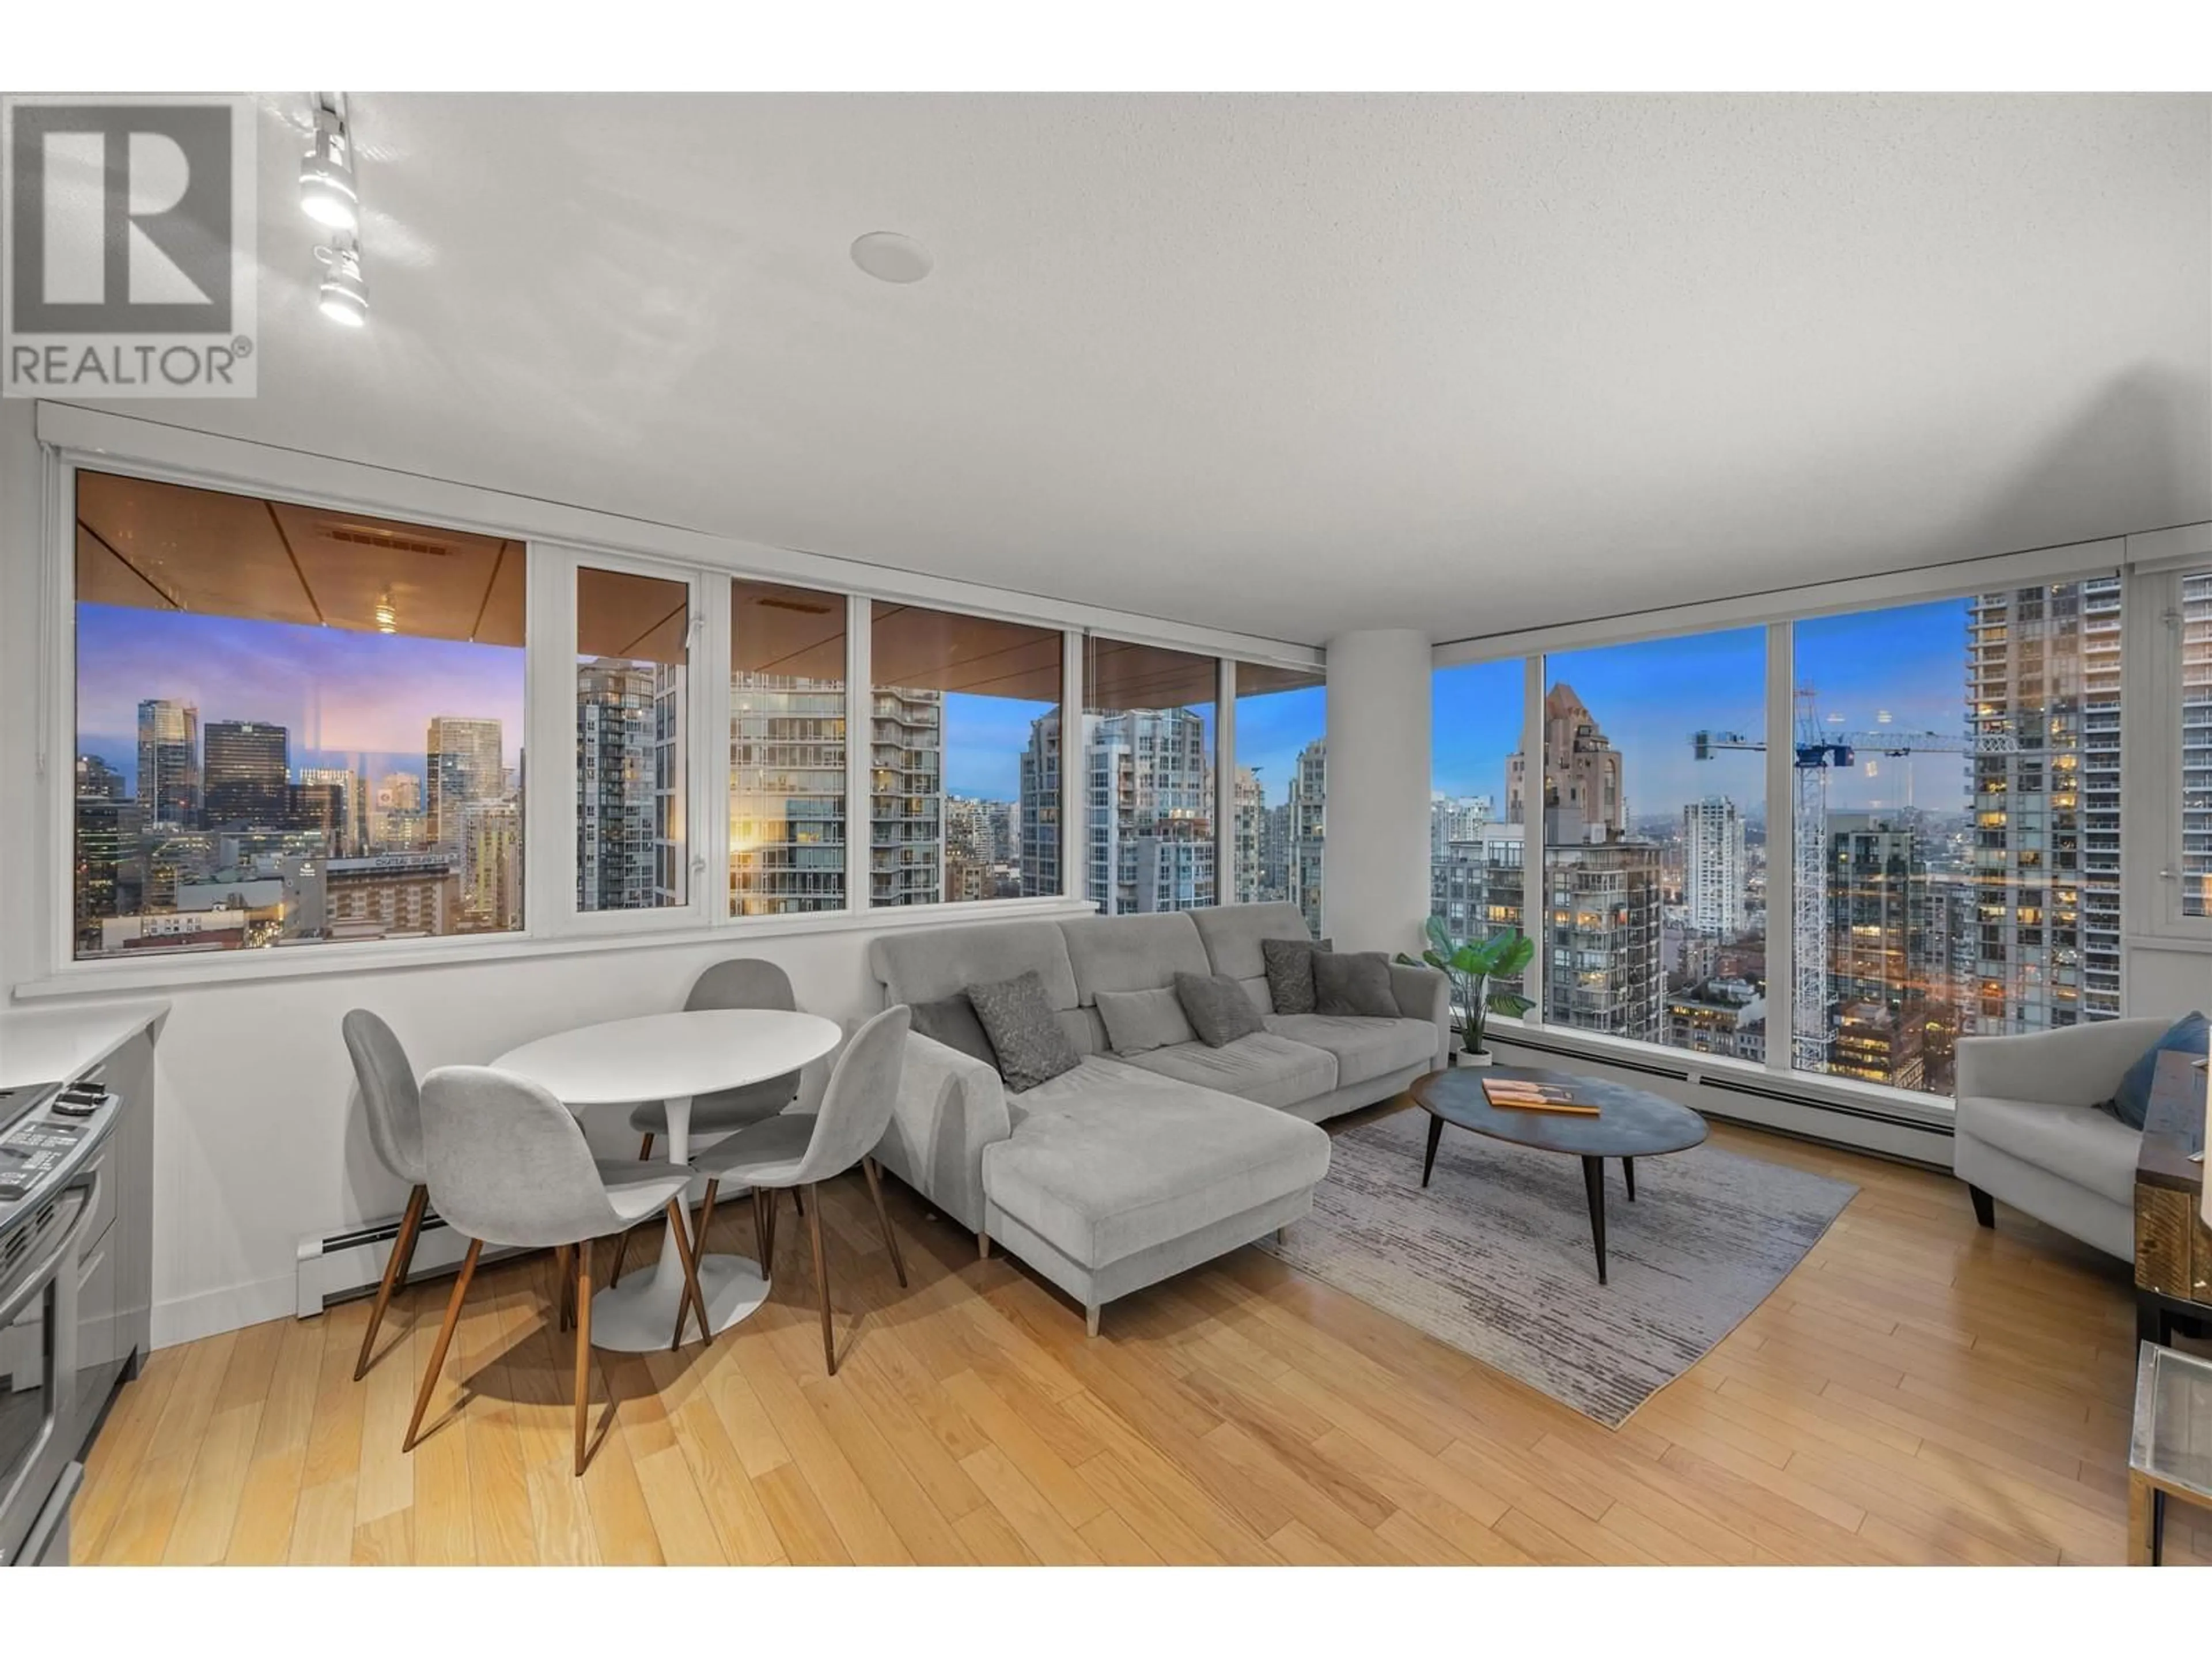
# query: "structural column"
1375,868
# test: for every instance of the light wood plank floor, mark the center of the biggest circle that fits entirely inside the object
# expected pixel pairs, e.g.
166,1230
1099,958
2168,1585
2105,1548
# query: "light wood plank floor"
1919,1390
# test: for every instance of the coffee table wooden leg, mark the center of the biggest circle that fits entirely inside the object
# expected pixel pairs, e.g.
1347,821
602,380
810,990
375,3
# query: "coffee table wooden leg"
1628,1169
1593,1184
1436,1133
2142,1522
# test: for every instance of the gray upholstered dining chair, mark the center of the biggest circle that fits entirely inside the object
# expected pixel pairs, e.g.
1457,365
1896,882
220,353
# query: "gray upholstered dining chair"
393,1102
740,982
799,1149
507,1165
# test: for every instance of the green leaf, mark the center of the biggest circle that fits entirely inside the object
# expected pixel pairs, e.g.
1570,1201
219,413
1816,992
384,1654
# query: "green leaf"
1510,1002
1439,936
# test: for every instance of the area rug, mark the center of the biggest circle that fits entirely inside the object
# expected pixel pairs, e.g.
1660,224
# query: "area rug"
1495,1258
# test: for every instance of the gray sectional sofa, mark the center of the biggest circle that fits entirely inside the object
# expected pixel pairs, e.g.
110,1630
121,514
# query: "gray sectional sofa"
1132,1168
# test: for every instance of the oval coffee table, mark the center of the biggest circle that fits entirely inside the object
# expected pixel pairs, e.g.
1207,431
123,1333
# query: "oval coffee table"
1631,1123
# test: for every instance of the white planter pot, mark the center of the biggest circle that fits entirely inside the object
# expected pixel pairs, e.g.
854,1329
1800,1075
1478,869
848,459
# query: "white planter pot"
1477,1062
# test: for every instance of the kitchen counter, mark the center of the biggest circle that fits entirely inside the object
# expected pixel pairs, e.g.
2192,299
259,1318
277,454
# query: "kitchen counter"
53,1045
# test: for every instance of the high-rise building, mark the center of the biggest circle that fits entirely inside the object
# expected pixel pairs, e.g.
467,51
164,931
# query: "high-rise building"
385,897
2043,667
245,768
1580,784
1249,838
1475,886
1603,892
968,847
1037,822
107,868
906,797
1308,814
787,794
168,761
1876,900
491,867
1275,853
320,807
97,781
1716,878
463,763
1150,826
615,861
1454,818
353,806
395,814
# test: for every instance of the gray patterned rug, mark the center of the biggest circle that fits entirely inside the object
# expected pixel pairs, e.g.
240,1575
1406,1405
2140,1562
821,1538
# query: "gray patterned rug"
1495,1257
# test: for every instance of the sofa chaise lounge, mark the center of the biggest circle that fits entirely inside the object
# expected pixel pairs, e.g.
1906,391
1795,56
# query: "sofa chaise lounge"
1134,1167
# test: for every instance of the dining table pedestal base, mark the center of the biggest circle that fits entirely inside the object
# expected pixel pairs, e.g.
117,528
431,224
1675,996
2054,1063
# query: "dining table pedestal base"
638,1316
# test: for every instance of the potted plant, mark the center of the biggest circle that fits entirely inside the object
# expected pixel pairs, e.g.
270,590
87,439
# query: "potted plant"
1470,965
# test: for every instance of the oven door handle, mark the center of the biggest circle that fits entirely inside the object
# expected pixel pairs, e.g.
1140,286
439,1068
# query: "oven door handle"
36,1282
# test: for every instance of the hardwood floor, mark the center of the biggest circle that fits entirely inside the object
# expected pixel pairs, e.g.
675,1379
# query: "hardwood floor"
1919,1390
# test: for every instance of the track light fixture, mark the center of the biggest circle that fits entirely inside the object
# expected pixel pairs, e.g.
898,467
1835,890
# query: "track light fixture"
344,294
328,193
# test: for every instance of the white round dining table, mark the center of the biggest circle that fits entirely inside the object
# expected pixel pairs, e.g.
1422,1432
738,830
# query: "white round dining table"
671,1058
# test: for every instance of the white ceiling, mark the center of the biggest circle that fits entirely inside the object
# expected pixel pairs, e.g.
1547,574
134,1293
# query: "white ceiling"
1287,365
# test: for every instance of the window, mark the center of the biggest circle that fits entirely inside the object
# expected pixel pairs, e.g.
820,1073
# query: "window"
1282,786
1147,767
1968,851
295,725
1654,841
787,750
963,759
1475,844
633,736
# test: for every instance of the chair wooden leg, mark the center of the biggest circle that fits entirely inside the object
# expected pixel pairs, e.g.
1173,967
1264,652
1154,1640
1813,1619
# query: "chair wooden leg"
564,1287
883,1217
583,1348
771,1198
799,1202
707,1213
645,1148
691,1298
821,1280
395,1273
760,1227
982,1247
444,1342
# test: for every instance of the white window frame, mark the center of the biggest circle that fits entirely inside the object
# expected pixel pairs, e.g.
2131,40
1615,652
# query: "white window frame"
73,439
549,839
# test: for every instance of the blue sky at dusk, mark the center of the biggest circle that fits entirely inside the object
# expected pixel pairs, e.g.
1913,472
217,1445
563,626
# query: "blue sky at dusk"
1648,697
346,698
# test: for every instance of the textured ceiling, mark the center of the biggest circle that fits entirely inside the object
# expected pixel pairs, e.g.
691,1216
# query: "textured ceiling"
1289,365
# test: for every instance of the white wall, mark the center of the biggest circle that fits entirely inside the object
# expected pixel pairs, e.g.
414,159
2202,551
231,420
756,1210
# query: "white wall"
1375,877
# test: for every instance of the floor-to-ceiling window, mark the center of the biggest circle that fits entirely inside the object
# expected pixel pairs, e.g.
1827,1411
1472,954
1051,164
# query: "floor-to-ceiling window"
1281,788
964,736
1649,800
1147,766
1477,843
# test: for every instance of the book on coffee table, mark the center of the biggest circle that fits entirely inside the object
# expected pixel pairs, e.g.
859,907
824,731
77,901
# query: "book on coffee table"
1515,1095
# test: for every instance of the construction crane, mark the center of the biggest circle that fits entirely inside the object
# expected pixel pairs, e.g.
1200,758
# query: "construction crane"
1820,751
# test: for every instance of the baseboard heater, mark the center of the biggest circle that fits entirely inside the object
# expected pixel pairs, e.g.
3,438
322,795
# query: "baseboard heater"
339,1266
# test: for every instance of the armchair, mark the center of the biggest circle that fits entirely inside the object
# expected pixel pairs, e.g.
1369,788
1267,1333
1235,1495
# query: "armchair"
2030,1132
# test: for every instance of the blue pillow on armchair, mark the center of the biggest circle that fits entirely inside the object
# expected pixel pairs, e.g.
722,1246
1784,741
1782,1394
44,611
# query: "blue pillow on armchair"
2187,1036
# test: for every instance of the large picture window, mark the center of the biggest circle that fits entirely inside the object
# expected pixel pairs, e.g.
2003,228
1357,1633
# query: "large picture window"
787,750
1282,786
1649,800
1147,767
963,760
1969,844
295,725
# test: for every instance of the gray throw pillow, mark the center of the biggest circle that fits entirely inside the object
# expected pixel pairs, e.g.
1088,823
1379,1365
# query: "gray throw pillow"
952,1021
1140,1021
1219,1009
1032,1046
1357,982
1290,973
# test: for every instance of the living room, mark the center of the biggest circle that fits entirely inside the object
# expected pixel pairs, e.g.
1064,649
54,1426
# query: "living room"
1530,884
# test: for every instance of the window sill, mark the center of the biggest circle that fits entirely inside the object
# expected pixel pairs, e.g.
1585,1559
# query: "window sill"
97,979
1936,1112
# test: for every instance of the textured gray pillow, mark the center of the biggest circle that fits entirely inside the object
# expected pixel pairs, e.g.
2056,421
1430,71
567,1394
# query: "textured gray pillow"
952,1021
1219,1009
1290,973
1032,1046
1357,982
1138,1021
